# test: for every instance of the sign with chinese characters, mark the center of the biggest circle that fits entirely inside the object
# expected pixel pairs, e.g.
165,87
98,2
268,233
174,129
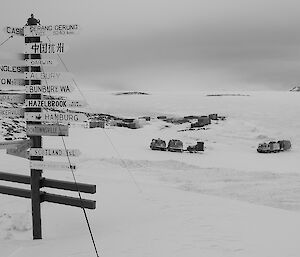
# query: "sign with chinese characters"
45,48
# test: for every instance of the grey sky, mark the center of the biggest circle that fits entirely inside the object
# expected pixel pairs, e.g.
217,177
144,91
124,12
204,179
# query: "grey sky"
166,44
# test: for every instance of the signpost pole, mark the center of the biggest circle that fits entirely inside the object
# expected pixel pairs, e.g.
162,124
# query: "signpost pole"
35,174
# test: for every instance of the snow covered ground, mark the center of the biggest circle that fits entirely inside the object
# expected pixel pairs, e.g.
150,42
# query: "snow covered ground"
227,201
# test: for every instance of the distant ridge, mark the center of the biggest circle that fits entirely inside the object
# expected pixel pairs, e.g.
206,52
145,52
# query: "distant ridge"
295,89
131,93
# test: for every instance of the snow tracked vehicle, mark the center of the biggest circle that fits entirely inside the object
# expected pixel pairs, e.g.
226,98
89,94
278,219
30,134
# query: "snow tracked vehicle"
175,145
274,147
158,144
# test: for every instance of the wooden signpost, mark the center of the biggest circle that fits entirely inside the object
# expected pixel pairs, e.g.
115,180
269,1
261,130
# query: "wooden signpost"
36,83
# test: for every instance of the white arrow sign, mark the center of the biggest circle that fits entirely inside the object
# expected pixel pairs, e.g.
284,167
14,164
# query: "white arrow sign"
12,68
45,48
51,30
49,89
54,152
12,98
14,144
48,76
60,117
55,103
47,130
14,30
40,165
11,112
40,62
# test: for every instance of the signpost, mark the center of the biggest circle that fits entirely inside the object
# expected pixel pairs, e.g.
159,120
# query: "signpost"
47,130
53,117
56,103
36,84
51,30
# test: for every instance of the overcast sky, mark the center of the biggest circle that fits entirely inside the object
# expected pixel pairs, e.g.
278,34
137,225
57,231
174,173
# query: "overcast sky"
172,44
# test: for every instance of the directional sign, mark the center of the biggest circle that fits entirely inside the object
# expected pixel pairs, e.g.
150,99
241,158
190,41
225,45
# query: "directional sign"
40,62
55,103
40,165
54,152
48,75
12,98
47,130
60,117
45,48
50,30
14,144
12,68
14,30
50,89
11,82
11,112
21,150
